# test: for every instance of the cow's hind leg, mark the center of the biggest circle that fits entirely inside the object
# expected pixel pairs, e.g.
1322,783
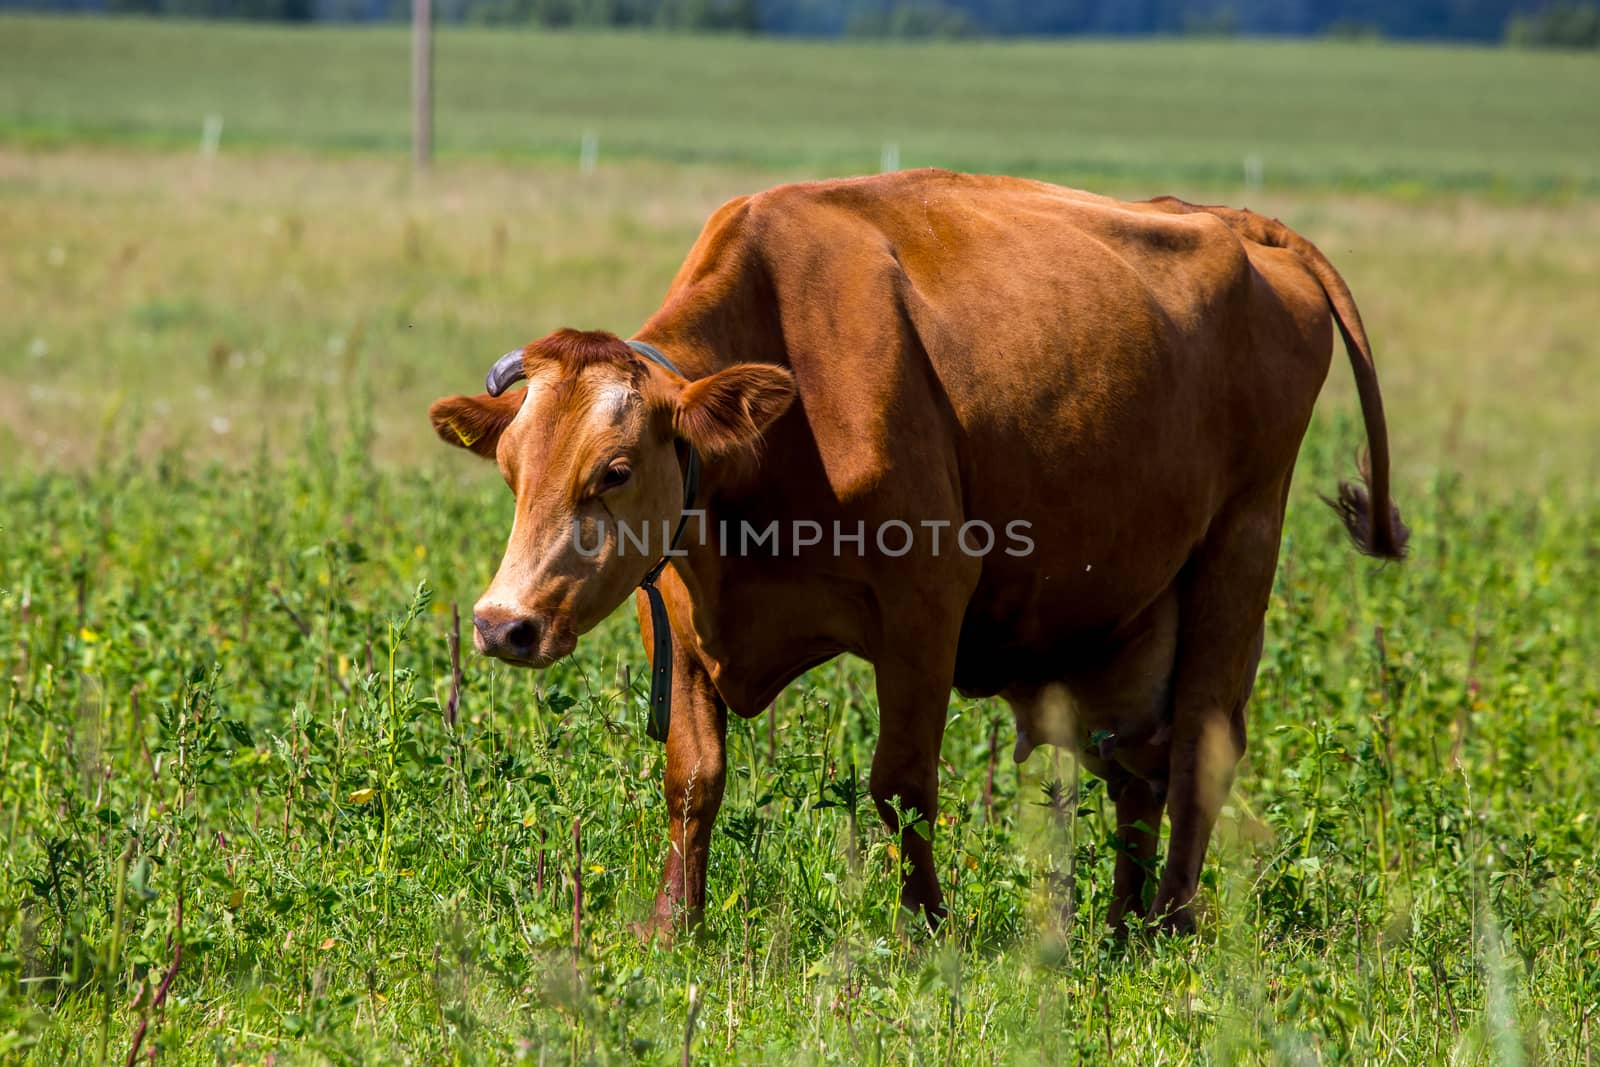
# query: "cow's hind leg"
1139,805
1125,702
1224,600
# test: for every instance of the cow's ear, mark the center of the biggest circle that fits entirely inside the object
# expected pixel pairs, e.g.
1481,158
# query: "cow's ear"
474,422
729,410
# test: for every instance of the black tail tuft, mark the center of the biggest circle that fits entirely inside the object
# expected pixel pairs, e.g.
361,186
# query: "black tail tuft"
1354,505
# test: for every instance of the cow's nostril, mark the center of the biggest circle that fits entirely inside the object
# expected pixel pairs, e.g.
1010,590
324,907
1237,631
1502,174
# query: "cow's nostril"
516,639
522,635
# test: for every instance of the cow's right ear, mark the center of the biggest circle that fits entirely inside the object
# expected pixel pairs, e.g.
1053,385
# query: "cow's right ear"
474,422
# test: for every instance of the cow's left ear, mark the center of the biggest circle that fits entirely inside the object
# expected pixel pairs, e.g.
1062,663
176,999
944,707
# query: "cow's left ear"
474,422
729,410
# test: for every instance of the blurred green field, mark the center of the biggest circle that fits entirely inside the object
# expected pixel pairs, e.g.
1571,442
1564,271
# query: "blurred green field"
157,302
1319,113
224,692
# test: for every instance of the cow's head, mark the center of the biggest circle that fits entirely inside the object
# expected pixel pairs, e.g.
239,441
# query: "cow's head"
594,444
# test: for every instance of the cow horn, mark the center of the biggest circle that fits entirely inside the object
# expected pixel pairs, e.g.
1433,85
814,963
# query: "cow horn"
506,370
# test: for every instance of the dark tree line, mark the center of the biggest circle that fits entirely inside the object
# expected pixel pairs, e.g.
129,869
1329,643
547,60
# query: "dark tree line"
1525,21
1562,23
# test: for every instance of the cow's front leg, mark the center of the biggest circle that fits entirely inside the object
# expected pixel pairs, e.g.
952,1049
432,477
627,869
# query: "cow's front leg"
695,776
913,701
696,773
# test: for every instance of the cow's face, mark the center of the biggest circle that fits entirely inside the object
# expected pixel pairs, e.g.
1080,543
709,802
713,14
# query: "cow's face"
593,450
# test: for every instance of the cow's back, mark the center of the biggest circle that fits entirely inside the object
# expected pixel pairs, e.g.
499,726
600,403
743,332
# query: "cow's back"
1108,373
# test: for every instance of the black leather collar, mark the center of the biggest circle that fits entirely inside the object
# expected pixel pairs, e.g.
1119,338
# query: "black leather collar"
660,720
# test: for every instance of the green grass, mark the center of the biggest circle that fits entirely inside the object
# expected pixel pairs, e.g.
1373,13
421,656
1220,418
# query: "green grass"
221,691
1319,113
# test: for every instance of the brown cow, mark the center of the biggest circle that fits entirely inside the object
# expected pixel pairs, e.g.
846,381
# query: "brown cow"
1122,386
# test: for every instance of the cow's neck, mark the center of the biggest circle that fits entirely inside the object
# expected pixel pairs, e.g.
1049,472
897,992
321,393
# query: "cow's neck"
744,599
732,603
721,316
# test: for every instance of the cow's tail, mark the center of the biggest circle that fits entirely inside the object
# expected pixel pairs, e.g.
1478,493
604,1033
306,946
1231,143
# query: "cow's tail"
1368,513
1366,508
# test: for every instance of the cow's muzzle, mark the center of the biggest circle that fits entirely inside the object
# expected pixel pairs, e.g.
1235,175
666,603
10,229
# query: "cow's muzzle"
519,639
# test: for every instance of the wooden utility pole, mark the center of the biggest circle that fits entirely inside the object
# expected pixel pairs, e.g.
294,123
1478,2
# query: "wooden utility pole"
421,83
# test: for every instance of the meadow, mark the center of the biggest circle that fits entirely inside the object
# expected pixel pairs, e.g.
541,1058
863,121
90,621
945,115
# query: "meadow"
1318,113
253,814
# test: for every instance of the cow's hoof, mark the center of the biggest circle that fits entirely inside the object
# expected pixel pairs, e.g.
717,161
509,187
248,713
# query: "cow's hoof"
670,924
918,920
1123,922
652,932
1178,922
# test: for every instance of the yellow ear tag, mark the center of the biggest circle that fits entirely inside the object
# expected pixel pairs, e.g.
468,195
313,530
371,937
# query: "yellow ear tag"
466,438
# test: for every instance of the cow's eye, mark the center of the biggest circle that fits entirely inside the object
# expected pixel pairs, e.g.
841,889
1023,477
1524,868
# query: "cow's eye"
616,475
